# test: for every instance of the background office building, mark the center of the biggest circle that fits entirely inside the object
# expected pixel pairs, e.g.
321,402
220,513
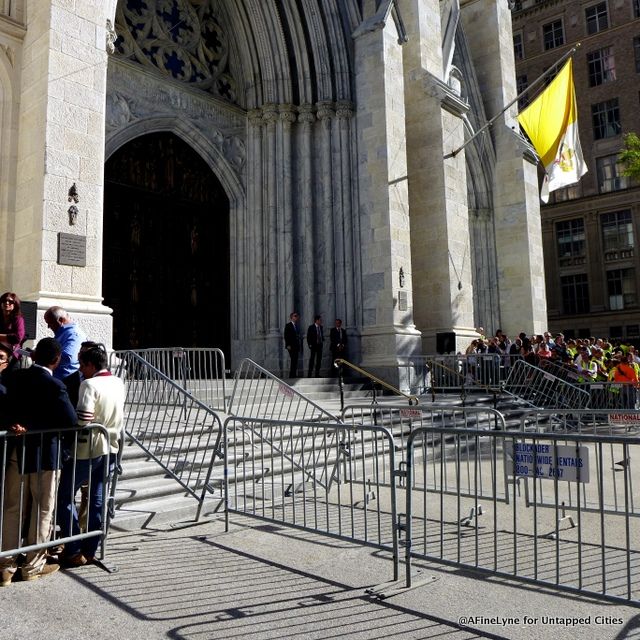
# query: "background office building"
590,229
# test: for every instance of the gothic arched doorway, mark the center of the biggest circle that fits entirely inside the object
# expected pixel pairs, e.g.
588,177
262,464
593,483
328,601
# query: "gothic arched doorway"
166,247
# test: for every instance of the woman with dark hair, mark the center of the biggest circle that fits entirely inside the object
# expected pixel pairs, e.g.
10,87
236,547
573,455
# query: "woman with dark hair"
11,322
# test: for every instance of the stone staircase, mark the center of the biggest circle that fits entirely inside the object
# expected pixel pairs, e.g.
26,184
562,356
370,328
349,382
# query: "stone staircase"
147,497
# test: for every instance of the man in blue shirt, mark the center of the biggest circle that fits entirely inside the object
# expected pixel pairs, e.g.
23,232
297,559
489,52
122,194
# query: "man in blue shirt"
70,337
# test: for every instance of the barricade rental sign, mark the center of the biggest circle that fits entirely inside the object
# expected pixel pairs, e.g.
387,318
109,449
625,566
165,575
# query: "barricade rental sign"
624,419
546,461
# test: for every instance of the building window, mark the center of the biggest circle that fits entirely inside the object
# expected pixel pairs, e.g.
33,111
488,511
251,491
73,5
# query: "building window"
570,235
609,178
636,52
602,67
571,192
636,8
575,294
617,231
633,330
518,46
606,119
521,85
553,34
597,18
621,287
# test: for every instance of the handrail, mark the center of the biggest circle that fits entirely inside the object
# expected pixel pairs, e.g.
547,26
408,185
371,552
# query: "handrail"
476,384
341,362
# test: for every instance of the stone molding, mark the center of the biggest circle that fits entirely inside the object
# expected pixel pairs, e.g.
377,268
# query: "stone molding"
9,53
287,114
135,95
306,114
451,102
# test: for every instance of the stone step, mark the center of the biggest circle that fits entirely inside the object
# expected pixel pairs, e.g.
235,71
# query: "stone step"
132,516
147,496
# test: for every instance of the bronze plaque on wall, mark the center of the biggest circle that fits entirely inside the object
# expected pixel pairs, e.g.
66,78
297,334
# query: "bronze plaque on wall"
72,250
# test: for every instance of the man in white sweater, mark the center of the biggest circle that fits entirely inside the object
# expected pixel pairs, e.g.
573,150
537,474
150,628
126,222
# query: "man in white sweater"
100,400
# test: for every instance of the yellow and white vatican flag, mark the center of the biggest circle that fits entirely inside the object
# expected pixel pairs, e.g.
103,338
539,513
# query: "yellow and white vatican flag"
551,122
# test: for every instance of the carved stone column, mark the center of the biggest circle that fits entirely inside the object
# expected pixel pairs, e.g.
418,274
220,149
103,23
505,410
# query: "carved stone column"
254,229
324,223
345,295
270,117
304,218
288,270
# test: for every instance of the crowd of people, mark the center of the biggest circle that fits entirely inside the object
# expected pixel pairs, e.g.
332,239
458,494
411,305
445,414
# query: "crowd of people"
590,359
50,454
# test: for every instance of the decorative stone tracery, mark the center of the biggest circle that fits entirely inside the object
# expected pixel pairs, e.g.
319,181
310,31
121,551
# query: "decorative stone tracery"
181,38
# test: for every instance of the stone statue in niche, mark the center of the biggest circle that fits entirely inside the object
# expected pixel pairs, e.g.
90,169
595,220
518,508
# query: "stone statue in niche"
73,194
73,214
136,232
194,293
111,37
194,240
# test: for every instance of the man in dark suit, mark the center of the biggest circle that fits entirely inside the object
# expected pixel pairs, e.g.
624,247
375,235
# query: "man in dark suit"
36,401
292,342
337,343
315,338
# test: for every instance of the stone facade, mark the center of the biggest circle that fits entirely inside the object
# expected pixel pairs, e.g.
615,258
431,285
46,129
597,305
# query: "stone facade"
331,129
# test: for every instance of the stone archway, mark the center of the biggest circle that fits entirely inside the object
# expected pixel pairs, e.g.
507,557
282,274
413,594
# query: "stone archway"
166,246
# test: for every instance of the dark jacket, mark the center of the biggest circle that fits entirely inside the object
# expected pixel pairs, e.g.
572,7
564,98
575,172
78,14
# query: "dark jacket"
315,336
39,402
291,337
338,342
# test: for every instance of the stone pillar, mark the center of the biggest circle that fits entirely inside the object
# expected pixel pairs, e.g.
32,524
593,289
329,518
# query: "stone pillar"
523,305
345,294
324,223
440,235
254,230
285,208
62,127
388,330
304,300
270,204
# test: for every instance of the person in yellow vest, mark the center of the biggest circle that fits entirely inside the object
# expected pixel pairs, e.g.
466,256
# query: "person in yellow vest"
572,348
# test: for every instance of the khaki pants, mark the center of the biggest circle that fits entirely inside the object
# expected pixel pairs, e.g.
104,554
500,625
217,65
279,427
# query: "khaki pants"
33,495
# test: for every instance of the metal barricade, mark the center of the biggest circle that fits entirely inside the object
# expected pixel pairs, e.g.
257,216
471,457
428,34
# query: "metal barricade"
199,371
613,395
599,554
35,512
274,474
258,393
181,433
540,387
615,461
402,421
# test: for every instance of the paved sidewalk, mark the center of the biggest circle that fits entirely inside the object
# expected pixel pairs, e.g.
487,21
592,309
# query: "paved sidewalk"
263,581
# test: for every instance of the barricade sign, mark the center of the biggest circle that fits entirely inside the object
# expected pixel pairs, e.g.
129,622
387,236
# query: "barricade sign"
286,390
563,462
411,413
624,419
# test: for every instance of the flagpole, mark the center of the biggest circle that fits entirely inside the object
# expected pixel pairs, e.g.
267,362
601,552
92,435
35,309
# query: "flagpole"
535,83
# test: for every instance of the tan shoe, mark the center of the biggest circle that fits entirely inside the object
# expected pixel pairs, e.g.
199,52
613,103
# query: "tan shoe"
76,560
7,577
48,569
